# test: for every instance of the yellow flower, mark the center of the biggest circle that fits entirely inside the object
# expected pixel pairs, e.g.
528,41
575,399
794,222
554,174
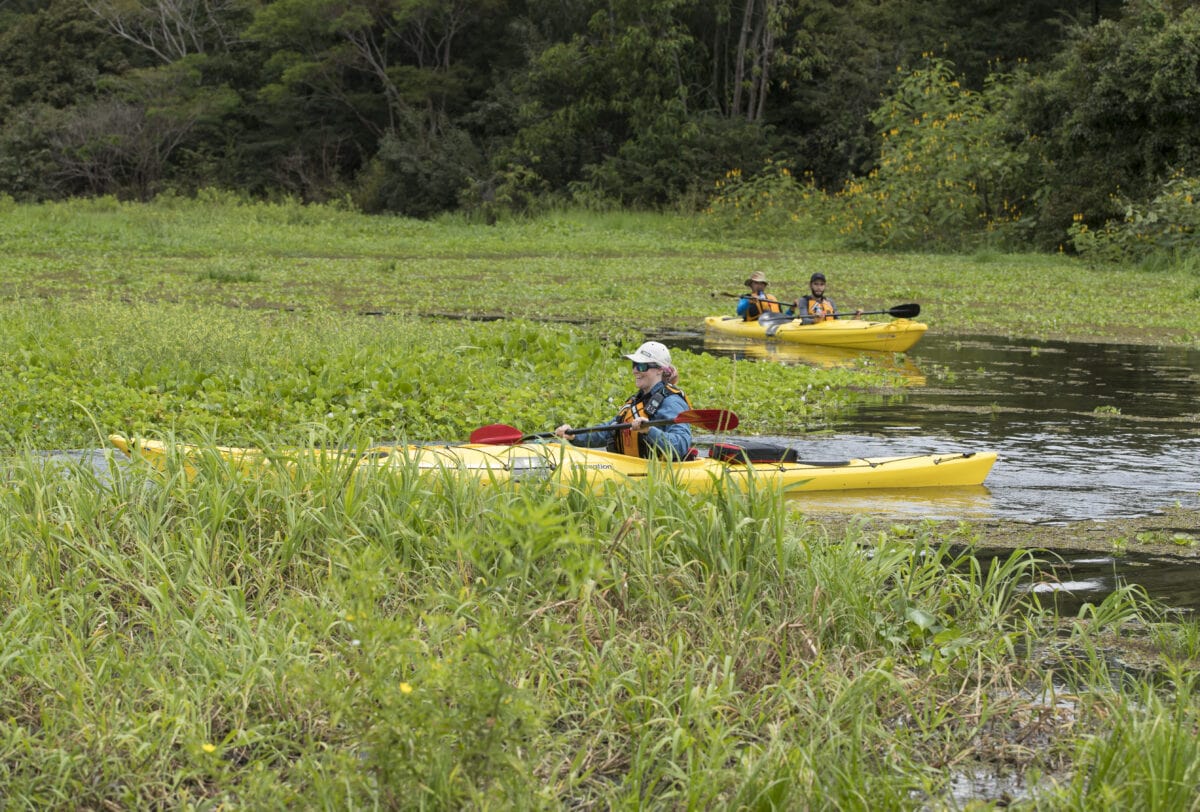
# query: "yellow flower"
405,688
208,747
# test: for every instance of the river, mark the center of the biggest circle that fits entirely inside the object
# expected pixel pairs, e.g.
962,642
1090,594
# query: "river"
1083,432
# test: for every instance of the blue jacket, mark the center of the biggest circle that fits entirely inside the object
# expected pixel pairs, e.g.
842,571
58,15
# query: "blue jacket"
673,440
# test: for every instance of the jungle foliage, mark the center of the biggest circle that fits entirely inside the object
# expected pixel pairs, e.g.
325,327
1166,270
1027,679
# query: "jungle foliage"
1035,114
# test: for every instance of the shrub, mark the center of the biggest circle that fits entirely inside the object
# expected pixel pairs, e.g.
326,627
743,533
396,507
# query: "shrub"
1167,226
948,176
770,202
418,177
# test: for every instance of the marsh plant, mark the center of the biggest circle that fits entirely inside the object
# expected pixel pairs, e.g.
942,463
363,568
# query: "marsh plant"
344,636
209,636
69,367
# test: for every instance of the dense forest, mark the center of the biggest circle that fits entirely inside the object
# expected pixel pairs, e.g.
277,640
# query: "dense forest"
925,120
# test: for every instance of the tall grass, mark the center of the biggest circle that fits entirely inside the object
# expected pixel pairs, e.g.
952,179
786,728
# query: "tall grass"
345,637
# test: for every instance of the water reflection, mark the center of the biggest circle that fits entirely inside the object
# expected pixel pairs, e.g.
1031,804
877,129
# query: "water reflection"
826,357
1071,580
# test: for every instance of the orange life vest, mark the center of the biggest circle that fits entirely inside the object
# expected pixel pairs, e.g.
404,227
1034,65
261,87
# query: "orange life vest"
818,310
767,304
635,445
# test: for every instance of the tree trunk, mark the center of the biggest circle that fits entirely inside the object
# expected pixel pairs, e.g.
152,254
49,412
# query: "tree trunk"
739,62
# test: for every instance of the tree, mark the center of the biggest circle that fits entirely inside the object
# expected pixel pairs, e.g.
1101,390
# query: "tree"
122,144
1117,115
174,29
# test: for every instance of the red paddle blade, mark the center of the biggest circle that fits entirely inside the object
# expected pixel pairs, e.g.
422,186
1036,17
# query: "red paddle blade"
712,419
496,434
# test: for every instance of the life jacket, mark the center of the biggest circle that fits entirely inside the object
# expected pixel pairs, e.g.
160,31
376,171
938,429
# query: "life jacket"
818,310
767,304
638,405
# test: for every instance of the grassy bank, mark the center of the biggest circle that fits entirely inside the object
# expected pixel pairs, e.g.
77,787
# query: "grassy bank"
342,640
618,270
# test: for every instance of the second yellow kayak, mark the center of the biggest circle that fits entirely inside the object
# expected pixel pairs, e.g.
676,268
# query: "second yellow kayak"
857,334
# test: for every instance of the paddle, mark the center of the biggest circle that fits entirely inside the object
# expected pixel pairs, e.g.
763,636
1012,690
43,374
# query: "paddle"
711,419
909,311
902,311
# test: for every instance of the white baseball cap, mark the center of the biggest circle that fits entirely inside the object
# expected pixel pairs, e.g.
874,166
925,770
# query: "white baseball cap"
651,352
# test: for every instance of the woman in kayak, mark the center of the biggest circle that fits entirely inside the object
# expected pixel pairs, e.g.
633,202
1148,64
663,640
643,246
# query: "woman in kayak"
753,304
814,307
657,398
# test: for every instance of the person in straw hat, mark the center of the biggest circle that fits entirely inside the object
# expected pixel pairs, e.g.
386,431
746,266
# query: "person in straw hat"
753,304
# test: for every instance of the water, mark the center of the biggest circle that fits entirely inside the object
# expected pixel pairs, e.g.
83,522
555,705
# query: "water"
1075,579
1083,431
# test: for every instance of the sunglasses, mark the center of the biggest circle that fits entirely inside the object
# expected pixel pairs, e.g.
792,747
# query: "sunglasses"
639,367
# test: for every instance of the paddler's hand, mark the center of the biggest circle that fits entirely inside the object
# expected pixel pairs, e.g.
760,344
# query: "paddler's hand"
858,313
639,425
563,431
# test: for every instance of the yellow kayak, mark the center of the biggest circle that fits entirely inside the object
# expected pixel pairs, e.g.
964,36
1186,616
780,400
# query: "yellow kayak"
857,334
570,466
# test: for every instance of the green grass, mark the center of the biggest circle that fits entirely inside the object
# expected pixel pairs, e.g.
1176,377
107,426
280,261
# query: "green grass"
348,639
618,270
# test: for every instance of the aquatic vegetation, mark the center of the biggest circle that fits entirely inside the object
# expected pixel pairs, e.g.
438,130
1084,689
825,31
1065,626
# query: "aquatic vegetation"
75,371
338,638
615,271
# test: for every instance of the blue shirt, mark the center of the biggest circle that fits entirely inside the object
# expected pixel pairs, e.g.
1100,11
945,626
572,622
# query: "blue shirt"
673,440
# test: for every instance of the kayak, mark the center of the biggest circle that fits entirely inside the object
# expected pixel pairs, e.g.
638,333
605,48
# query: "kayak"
857,334
569,466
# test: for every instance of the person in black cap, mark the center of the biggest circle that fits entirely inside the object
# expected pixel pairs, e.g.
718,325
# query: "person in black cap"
815,307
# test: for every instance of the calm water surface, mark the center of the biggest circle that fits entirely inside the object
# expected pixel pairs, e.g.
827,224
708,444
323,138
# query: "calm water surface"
1084,431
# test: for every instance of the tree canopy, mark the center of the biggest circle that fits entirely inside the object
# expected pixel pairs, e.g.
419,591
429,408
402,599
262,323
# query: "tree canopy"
423,106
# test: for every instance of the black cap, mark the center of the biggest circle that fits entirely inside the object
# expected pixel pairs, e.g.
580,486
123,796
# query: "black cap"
815,277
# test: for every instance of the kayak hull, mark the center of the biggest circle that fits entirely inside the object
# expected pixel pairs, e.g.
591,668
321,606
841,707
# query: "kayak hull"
572,467
855,334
